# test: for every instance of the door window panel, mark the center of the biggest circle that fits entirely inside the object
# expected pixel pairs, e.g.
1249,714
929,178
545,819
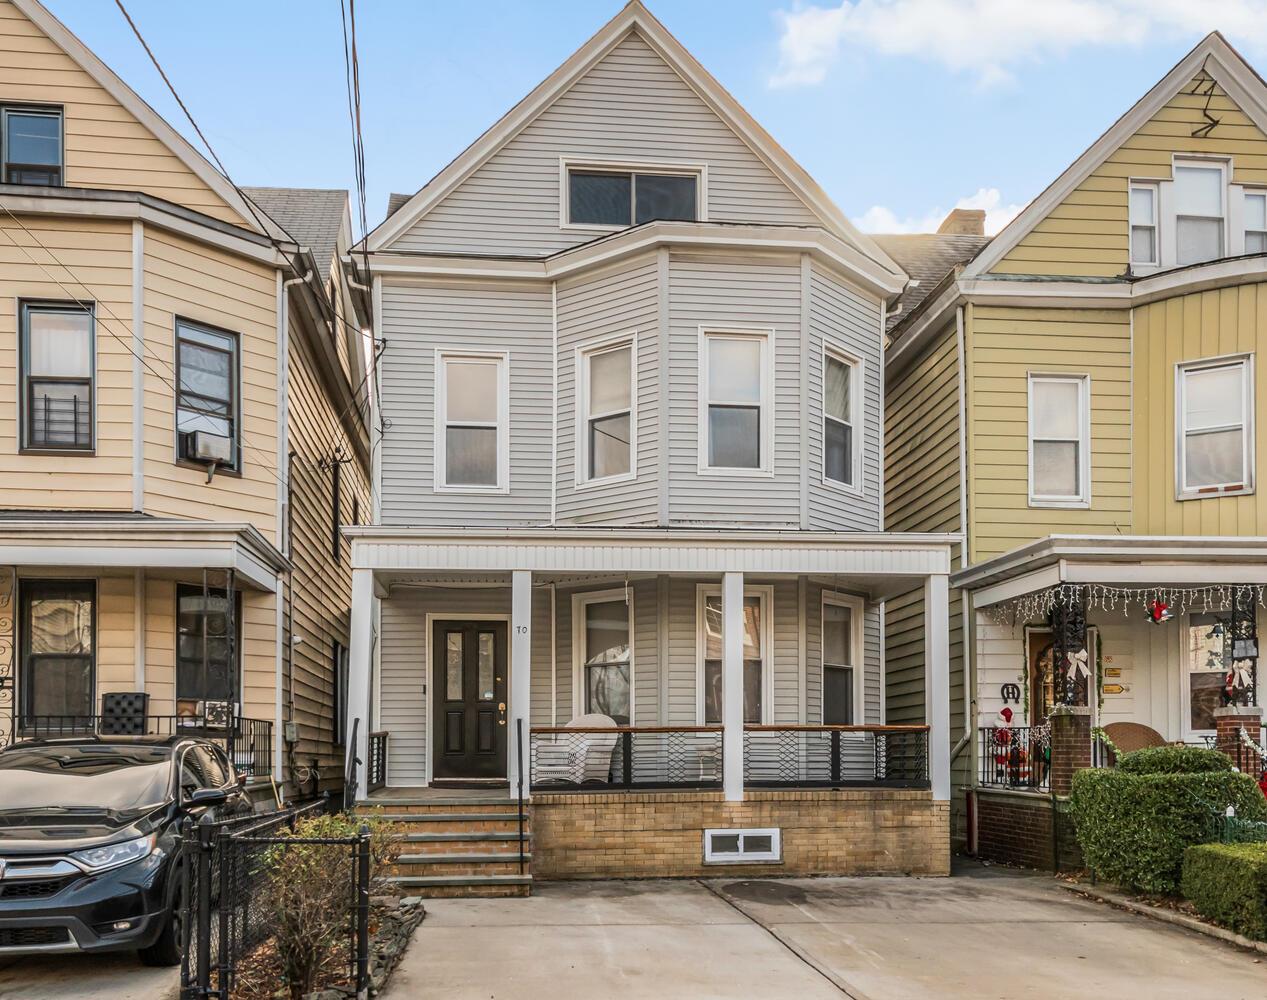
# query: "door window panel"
753,659
59,645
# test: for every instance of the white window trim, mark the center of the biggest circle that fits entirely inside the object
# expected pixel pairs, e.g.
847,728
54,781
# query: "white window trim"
1247,438
502,359
857,408
579,603
856,607
569,163
774,855
1083,500
766,403
765,593
581,463
1151,187
1224,166
1243,228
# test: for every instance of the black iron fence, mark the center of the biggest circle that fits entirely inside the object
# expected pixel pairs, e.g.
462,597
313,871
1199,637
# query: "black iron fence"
248,742
228,902
836,756
1015,757
376,768
562,757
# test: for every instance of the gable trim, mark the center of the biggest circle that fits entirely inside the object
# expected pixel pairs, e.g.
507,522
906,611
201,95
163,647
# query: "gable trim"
1224,64
181,148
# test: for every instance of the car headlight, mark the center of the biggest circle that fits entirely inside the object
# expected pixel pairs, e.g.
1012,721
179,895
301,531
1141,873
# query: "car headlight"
97,859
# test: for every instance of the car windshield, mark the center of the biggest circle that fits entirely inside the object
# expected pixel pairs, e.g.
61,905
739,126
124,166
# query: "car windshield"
77,780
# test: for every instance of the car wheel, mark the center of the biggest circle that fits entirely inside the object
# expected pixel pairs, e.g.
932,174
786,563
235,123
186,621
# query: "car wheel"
165,951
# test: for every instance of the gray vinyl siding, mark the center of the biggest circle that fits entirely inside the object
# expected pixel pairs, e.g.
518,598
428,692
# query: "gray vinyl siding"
744,294
630,106
419,319
621,302
841,318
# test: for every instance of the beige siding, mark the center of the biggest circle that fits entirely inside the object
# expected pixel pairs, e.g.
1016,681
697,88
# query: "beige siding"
1003,346
186,280
1086,234
66,261
106,146
1189,328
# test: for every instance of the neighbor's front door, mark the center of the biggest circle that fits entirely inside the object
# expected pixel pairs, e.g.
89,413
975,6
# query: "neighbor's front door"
469,685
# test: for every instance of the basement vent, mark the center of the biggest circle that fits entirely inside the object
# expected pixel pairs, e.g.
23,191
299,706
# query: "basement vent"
730,847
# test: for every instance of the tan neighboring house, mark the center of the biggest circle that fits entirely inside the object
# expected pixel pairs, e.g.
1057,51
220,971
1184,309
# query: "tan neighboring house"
175,399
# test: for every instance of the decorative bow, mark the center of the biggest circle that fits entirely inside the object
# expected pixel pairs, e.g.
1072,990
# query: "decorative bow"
1240,674
1077,665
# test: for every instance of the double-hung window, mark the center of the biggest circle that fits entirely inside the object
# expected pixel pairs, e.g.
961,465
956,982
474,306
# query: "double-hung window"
1059,440
1144,224
31,145
1200,207
1215,426
58,351
472,394
604,642
208,647
207,414
841,400
842,619
1256,221
607,394
754,623
58,632
617,198
735,376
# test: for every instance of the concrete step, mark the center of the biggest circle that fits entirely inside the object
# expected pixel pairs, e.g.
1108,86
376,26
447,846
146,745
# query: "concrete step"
406,804
456,824
464,885
460,863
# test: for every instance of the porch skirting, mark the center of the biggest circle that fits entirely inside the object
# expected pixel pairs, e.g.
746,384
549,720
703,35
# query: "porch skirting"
660,834
1032,829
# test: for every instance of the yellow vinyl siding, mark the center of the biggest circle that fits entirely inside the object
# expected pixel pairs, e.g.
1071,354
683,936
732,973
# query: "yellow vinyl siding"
185,279
1004,345
1087,233
65,260
1189,328
106,146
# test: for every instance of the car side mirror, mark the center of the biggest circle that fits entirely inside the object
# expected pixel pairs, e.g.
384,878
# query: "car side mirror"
203,797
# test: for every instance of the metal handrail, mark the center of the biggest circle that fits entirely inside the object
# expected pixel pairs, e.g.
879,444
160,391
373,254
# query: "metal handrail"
810,728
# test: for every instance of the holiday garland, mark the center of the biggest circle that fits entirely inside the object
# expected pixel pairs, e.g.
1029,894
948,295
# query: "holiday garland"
1104,597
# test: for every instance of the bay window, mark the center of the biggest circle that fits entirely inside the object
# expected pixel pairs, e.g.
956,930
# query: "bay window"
735,403
756,605
472,400
841,398
604,641
57,346
1213,412
1059,440
607,429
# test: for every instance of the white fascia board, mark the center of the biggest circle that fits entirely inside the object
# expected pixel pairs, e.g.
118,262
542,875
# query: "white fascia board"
1222,62
180,147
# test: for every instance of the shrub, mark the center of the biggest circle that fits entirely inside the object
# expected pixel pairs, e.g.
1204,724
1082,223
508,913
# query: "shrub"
1228,884
1134,828
1174,760
312,892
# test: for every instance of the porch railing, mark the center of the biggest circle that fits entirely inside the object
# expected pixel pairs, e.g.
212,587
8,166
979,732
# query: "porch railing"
376,768
836,756
248,742
1015,757
624,757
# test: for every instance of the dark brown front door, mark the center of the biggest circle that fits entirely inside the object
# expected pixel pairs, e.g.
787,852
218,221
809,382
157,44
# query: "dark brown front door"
469,681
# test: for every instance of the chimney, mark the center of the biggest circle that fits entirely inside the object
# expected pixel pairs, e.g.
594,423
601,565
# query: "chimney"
963,222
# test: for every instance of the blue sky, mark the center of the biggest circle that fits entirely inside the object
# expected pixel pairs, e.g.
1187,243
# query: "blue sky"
901,109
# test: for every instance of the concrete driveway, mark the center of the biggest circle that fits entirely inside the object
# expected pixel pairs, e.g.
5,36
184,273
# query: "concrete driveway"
986,934
86,977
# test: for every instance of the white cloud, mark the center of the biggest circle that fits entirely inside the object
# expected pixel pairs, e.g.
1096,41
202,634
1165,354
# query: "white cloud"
989,38
879,219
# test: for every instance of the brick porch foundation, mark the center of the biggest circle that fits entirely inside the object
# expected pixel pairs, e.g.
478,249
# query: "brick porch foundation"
1016,828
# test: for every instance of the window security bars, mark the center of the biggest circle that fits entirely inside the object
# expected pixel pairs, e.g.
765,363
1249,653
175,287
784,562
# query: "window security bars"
1016,757
376,768
836,756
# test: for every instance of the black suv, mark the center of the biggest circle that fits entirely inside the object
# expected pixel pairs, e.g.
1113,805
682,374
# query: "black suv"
89,840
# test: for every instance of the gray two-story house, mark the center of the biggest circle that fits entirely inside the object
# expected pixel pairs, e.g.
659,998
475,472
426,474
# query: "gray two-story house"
627,556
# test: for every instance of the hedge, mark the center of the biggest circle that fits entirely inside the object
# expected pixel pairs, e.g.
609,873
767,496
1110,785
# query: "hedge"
1228,884
1134,828
1174,760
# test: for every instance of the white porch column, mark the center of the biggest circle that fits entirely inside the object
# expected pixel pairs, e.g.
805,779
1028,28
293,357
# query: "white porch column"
937,682
520,676
359,652
732,685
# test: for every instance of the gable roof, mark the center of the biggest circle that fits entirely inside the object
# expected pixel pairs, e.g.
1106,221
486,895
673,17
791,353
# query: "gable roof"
633,17
313,217
926,257
1213,54
87,60
395,202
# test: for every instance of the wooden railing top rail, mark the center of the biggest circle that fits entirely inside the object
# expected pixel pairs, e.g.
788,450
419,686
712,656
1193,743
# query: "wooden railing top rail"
750,728
546,730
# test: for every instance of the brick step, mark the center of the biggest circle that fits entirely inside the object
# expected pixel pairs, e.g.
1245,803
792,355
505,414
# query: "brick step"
455,821
464,885
460,843
423,806
497,863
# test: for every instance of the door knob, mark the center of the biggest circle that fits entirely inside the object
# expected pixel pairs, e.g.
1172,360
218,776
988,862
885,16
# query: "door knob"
501,707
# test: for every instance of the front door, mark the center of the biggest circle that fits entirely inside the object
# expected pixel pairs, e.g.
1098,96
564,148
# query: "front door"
469,685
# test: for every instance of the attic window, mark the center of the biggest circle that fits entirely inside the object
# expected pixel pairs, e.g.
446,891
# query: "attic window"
31,145
617,198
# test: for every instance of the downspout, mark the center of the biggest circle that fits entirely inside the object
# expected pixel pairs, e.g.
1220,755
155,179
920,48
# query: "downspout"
969,705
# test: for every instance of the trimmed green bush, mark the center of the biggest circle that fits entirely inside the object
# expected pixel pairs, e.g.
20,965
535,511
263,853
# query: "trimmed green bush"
1174,760
1228,884
1134,828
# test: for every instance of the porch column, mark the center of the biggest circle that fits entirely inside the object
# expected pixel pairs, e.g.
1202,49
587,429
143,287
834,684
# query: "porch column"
359,651
732,685
520,677
937,682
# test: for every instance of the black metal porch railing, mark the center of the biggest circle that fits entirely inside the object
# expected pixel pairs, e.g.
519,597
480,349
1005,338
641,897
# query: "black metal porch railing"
376,767
836,757
1015,757
621,757
248,742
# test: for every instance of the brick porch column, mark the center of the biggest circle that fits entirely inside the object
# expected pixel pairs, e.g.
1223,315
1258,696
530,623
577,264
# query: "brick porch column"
1070,745
1227,728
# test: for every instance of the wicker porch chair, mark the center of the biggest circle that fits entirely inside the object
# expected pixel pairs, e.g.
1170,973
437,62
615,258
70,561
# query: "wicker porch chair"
1128,736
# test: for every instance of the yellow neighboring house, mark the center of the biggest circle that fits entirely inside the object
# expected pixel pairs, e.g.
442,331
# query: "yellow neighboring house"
183,426
1078,396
